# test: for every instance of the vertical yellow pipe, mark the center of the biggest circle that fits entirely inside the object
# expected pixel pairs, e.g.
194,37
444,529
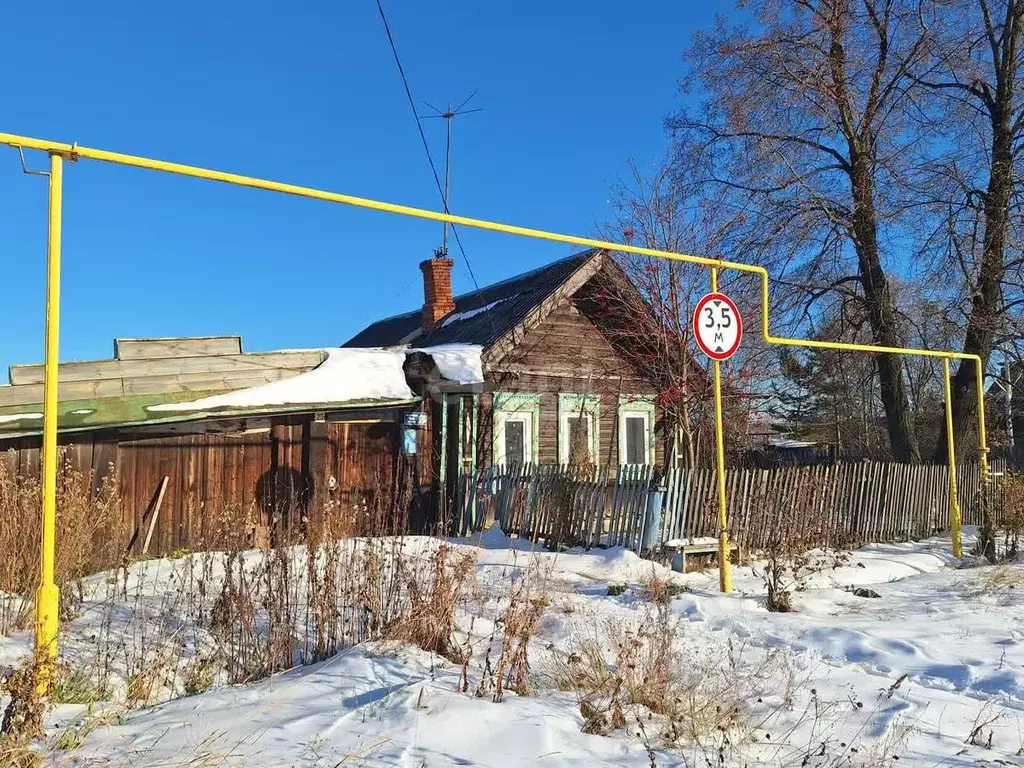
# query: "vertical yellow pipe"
724,565
954,506
47,595
982,437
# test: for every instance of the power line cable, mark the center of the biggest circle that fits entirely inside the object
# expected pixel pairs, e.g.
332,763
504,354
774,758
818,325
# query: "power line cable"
423,138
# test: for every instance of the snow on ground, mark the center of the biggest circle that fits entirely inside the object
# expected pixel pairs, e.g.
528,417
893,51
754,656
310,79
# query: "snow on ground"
936,658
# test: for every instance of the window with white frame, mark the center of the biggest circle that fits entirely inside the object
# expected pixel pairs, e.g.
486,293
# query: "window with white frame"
636,429
516,417
578,428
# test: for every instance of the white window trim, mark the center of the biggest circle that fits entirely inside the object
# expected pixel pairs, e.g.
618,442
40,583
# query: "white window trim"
516,406
637,405
572,405
626,413
501,418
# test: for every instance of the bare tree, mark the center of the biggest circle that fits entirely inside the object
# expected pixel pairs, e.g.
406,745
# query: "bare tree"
805,128
977,77
654,210
831,397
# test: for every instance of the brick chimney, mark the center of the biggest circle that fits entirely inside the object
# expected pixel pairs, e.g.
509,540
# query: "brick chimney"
437,291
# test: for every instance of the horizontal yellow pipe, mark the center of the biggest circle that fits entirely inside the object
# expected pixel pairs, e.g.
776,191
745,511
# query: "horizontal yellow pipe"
73,152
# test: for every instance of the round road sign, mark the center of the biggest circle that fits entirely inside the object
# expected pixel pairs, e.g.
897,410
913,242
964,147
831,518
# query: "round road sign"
717,326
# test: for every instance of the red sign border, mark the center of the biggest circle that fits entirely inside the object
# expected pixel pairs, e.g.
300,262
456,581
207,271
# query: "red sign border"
719,356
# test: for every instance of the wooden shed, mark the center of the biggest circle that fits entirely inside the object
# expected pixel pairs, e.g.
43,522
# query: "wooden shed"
150,418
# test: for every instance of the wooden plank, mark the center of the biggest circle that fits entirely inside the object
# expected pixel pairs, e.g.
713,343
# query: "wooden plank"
183,346
105,461
204,382
897,522
155,515
32,394
79,454
93,370
191,483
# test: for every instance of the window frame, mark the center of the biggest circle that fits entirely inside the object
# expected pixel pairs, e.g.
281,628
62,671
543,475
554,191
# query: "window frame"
633,406
572,405
515,406
514,417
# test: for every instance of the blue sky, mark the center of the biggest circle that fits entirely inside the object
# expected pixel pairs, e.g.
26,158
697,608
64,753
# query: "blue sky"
571,91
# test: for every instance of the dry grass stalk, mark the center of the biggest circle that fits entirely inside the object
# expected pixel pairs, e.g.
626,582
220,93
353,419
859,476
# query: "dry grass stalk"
642,671
660,590
22,720
429,621
90,535
175,626
702,703
1012,517
519,625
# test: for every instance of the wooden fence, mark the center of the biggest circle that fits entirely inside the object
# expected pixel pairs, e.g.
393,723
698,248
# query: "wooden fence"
560,504
838,505
835,505
211,490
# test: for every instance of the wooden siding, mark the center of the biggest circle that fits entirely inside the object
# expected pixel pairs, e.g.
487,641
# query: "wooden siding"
566,343
222,485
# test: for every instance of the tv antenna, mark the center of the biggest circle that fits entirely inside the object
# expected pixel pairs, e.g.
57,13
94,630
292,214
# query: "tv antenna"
448,115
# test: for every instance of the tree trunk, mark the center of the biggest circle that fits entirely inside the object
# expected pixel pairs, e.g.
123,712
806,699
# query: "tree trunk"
860,138
985,310
878,300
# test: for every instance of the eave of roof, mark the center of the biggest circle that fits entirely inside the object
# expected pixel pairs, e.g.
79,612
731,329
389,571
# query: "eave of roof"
118,413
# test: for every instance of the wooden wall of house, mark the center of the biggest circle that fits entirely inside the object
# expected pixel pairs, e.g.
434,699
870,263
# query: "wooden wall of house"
226,486
567,353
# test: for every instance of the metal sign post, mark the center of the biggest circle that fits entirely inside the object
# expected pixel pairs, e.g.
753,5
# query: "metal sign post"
718,329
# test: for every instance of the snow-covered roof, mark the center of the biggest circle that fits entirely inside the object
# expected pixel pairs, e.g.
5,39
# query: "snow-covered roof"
13,417
348,375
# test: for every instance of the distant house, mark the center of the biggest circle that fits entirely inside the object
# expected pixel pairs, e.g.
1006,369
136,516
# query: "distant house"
561,383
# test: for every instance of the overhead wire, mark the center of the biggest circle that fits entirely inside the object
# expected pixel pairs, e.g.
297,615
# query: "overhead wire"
423,138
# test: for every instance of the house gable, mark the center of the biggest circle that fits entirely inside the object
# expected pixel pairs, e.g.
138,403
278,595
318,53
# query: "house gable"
565,361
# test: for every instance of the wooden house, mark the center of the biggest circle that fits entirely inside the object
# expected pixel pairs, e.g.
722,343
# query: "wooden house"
536,369
562,382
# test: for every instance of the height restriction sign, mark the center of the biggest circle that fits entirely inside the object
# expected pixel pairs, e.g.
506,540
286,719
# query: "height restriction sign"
717,326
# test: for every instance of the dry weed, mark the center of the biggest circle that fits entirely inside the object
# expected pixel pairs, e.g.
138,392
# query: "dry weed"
660,590
90,535
1012,517
641,669
519,624
429,621
22,721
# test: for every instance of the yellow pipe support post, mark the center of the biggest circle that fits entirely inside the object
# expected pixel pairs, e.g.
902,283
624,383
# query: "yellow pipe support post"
47,597
724,564
73,152
954,505
986,475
